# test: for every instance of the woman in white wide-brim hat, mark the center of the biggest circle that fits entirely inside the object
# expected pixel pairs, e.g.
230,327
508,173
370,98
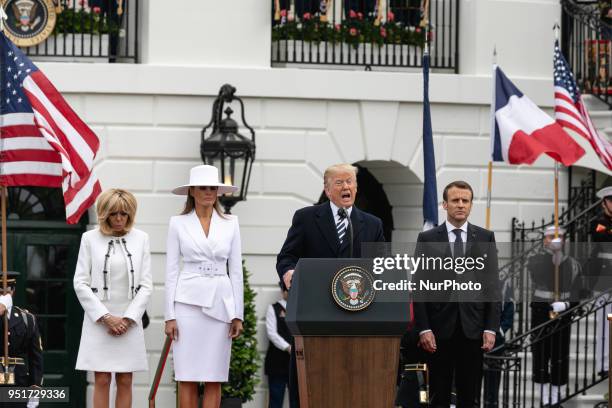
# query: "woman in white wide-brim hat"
204,297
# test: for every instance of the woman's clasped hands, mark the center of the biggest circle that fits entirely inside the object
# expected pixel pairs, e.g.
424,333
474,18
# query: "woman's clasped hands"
116,325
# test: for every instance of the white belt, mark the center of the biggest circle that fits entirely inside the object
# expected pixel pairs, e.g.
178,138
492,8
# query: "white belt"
546,294
206,268
604,255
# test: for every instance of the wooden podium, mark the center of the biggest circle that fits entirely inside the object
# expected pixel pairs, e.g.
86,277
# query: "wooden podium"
344,358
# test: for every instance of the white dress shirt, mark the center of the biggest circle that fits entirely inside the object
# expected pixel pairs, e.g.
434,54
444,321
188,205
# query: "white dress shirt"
335,209
271,328
452,237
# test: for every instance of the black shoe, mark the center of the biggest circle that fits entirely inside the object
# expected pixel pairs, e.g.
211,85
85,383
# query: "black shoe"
603,373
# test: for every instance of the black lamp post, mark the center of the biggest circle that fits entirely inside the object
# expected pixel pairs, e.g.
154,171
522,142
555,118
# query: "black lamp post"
232,153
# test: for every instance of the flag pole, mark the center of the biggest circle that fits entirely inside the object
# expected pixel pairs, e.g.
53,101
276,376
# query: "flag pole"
554,314
3,192
490,167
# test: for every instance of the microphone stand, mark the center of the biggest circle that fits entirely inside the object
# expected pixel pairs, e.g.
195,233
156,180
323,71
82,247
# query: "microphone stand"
350,232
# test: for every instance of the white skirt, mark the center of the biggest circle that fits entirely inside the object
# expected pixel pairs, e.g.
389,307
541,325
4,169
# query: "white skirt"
103,352
203,349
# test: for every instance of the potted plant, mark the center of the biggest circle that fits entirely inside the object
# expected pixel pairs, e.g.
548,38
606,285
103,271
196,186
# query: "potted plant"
245,358
78,32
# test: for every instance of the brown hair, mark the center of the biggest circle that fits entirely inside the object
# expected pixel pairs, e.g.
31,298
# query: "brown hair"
458,184
114,200
190,205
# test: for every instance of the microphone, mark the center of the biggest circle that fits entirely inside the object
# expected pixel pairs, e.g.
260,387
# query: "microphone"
344,212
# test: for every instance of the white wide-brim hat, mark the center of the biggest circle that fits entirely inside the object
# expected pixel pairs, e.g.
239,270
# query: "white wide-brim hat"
604,192
204,175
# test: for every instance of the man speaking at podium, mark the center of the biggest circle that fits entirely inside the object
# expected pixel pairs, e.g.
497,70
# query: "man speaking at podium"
322,231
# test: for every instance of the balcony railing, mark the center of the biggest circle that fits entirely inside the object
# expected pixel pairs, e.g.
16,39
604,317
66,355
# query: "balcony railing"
586,43
370,33
89,30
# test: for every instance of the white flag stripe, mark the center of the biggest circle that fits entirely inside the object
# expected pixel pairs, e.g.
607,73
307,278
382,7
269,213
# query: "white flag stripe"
83,194
31,167
65,159
604,148
571,119
74,138
565,104
22,143
16,119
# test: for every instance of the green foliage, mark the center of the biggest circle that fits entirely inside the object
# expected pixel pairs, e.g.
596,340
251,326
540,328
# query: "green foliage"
83,21
352,31
245,358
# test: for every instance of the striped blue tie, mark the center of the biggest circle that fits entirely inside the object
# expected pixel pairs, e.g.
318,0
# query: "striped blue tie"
341,225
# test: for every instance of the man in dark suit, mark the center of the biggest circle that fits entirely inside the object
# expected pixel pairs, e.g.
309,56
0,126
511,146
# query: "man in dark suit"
25,345
455,333
322,231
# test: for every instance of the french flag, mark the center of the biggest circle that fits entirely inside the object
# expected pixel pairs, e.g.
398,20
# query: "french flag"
523,131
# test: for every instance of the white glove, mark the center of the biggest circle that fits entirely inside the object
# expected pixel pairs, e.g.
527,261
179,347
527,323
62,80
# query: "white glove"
32,403
558,307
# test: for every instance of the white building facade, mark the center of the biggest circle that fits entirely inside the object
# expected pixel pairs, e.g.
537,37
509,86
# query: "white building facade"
149,116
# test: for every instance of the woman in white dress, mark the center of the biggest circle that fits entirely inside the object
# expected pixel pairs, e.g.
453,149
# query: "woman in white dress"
204,303
113,283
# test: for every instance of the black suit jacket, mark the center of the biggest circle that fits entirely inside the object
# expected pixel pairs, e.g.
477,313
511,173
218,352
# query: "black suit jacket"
474,317
313,235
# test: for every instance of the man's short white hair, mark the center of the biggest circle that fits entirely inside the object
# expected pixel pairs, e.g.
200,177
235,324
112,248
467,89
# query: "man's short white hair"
339,168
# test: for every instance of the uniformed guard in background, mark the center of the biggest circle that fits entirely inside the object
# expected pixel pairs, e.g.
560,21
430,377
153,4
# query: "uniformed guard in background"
25,344
550,363
600,273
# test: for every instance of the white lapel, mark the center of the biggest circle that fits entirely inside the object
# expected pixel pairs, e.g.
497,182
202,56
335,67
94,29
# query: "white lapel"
194,228
214,231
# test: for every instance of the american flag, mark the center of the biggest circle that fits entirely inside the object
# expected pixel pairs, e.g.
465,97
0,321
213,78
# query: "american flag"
42,140
570,111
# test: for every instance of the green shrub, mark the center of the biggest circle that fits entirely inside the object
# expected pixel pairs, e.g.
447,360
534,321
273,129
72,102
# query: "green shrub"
245,358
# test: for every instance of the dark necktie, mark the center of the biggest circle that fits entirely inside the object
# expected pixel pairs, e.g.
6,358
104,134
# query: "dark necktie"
341,225
458,246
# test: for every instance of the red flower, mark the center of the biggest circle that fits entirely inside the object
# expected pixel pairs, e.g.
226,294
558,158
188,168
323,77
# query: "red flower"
353,31
352,14
96,10
306,16
82,3
360,16
338,27
383,32
417,30
390,16
283,12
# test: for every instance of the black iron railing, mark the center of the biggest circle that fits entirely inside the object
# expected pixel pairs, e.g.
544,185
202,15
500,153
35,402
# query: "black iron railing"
586,43
582,209
91,30
571,340
370,33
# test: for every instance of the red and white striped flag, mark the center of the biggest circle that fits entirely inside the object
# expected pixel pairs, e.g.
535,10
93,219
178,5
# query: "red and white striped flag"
571,113
42,140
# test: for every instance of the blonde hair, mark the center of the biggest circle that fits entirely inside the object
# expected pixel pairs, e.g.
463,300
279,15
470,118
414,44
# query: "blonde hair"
114,200
190,205
339,168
